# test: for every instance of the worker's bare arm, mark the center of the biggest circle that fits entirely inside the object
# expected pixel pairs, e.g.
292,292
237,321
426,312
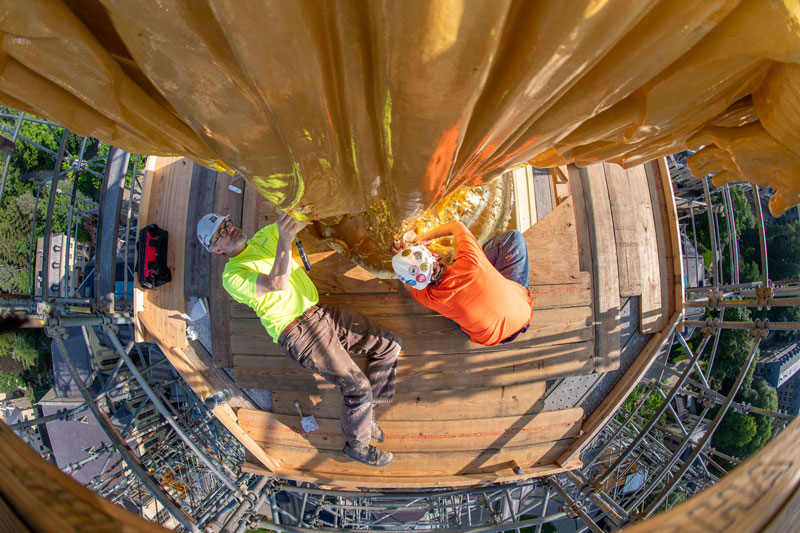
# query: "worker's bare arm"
278,277
455,228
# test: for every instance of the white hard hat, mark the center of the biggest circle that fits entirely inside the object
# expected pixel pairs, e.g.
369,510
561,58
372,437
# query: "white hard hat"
414,266
207,227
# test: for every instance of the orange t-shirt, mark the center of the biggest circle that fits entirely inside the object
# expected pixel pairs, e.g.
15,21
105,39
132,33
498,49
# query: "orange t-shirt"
487,306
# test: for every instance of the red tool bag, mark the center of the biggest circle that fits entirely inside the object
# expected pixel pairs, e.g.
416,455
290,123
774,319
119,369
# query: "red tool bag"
151,261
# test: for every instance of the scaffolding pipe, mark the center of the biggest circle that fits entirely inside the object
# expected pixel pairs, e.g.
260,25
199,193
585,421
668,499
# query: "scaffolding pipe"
31,257
733,240
709,433
62,414
712,234
122,447
666,469
252,502
762,237
166,414
8,157
575,506
69,282
694,237
652,422
48,222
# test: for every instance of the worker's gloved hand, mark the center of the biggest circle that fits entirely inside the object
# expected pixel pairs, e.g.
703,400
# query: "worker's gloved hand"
288,226
748,153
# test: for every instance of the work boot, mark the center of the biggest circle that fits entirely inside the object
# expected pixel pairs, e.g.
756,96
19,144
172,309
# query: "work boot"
370,455
377,433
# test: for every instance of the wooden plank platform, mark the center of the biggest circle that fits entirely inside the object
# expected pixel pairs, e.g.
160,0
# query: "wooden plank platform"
462,413
474,403
435,436
604,268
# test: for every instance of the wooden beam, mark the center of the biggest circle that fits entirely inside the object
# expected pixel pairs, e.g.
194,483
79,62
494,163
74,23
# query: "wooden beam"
674,235
661,222
651,305
581,218
606,278
760,495
45,499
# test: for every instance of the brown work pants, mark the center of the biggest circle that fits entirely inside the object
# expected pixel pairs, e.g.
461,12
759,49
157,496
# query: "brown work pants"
323,342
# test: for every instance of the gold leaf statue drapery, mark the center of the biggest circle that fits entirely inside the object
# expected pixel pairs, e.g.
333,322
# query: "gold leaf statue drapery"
340,108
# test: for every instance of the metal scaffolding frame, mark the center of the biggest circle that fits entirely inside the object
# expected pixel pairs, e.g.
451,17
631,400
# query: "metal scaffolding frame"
192,469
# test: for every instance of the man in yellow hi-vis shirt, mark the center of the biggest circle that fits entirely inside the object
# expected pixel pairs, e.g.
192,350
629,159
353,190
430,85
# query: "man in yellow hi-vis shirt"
261,273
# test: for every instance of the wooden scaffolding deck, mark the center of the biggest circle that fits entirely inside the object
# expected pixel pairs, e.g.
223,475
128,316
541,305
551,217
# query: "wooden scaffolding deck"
463,414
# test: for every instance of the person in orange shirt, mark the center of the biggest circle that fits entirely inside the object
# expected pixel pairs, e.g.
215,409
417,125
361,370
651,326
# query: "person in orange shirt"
485,290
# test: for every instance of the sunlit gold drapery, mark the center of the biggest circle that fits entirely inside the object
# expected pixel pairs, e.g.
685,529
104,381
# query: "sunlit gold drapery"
336,108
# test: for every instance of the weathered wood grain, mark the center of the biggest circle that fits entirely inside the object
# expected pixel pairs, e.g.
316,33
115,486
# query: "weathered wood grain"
198,261
410,404
626,214
418,463
553,247
464,434
432,334
442,371
604,260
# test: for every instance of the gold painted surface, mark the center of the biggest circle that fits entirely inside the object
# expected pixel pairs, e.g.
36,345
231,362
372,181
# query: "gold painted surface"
372,112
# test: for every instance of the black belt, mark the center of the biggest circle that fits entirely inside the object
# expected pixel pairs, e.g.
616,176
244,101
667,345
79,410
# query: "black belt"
307,313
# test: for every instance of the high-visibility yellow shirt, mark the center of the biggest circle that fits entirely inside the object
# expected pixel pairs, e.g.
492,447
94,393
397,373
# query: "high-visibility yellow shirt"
276,309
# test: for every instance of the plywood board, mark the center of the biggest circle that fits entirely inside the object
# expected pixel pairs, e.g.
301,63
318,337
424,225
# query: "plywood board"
626,214
436,334
475,402
553,248
36,491
581,218
663,242
419,436
604,261
432,372
676,242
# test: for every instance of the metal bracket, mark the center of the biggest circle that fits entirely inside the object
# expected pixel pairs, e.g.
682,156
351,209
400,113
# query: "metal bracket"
56,332
573,509
760,329
110,328
711,327
44,308
715,298
764,296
